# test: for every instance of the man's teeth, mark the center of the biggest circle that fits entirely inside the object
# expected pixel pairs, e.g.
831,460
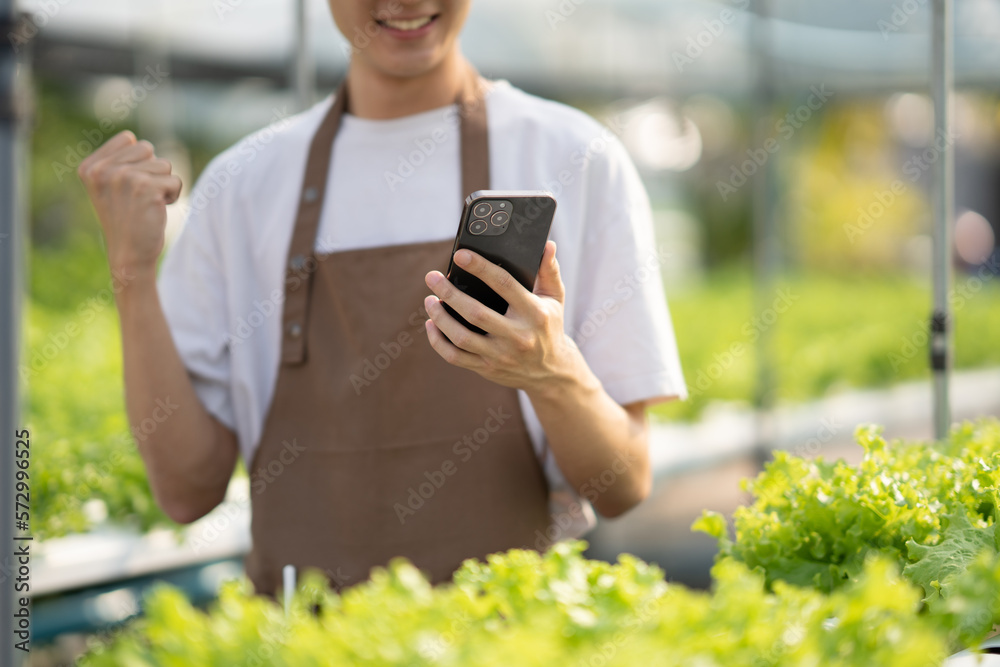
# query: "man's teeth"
411,24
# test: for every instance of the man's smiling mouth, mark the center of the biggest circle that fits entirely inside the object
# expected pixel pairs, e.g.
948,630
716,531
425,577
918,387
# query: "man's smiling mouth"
407,24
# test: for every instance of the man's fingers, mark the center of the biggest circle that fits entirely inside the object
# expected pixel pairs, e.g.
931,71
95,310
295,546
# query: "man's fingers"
114,144
171,187
453,355
457,333
471,309
150,175
497,278
108,160
152,187
137,152
160,166
108,148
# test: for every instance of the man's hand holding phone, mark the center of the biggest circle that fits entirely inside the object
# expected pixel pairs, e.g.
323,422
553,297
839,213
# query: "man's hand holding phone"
525,348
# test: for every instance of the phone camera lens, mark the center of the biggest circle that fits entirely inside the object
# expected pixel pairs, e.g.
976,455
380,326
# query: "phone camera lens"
477,226
482,210
500,218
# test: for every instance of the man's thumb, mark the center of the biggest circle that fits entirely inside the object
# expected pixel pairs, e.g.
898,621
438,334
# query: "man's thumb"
549,282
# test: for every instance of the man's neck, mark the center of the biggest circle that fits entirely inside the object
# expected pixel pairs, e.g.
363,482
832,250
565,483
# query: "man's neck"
377,95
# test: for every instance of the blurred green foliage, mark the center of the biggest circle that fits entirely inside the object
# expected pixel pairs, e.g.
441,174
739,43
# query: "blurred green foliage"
519,608
835,332
850,194
75,404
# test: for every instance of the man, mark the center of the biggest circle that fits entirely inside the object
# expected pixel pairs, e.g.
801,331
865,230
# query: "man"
292,321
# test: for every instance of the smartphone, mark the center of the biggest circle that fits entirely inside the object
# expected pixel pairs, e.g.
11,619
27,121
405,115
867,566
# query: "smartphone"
508,228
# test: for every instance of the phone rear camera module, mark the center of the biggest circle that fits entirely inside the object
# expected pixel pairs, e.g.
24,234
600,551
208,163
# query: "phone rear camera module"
482,209
500,218
477,227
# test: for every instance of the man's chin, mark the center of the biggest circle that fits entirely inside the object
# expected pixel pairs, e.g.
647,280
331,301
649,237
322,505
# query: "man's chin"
407,66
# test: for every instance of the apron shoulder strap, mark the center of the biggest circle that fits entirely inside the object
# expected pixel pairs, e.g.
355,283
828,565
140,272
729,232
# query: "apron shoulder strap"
301,259
474,133
302,262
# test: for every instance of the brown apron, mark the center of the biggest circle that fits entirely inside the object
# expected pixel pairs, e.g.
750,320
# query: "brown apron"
374,446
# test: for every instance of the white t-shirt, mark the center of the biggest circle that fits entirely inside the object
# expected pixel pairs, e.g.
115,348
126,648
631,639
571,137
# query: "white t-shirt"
397,181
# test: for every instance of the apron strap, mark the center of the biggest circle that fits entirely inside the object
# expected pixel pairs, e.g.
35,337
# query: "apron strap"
301,264
474,135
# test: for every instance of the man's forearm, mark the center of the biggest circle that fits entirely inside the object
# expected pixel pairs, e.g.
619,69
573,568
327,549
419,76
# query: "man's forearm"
600,446
189,456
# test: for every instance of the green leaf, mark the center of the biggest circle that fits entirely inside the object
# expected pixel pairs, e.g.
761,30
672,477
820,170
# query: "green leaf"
933,565
711,523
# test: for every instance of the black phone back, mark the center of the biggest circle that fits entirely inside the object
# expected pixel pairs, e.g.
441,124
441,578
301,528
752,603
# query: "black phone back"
507,227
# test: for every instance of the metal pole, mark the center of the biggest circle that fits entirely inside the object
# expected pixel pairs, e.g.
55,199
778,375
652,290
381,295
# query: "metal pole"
10,311
304,76
152,53
766,250
943,197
